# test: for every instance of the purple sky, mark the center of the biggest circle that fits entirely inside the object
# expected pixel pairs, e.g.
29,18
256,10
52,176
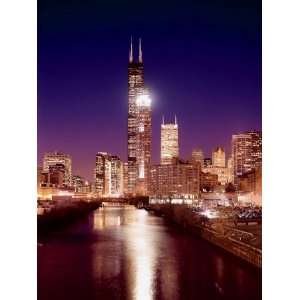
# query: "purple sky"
202,63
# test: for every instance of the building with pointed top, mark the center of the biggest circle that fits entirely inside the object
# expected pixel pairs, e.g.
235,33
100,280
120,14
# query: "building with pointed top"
139,126
218,157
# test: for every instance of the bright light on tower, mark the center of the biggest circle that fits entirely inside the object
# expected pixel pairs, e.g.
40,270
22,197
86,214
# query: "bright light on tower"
143,100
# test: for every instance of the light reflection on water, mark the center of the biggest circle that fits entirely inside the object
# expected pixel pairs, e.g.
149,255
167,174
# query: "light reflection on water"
142,255
129,254
138,247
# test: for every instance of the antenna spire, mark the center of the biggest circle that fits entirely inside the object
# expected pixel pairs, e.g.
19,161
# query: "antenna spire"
175,120
140,51
163,120
131,51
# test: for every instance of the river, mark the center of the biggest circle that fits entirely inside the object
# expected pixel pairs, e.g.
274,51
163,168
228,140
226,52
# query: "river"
126,253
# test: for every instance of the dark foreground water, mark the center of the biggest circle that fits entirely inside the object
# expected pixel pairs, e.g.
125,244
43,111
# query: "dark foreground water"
120,253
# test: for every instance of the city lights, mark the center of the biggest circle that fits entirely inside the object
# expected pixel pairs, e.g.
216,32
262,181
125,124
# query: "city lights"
125,246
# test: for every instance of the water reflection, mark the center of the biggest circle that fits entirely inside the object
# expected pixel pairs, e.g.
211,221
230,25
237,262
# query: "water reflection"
129,254
103,219
141,253
219,263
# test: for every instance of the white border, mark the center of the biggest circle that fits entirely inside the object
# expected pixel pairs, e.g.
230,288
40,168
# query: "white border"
281,124
18,115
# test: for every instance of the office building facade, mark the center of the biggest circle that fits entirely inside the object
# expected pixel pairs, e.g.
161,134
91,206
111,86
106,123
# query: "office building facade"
108,175
57,160
169,145
218,157
139,127
246,152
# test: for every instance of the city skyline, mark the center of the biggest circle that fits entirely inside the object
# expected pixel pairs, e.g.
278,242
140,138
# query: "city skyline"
82,97
150,131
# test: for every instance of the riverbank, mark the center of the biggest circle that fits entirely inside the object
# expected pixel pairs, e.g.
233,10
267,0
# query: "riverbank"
63,214
222,233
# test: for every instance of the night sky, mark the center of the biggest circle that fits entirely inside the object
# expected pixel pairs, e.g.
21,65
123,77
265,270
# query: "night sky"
202,62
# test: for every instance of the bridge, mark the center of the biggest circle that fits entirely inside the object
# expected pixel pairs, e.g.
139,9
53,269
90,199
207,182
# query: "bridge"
139,201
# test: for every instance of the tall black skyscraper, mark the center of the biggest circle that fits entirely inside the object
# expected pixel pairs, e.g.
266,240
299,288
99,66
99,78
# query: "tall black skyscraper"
139,126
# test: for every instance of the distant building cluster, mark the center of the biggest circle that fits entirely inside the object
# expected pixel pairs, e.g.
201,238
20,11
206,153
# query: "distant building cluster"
173,176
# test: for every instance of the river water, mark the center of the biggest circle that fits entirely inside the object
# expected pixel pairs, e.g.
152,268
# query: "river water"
126,253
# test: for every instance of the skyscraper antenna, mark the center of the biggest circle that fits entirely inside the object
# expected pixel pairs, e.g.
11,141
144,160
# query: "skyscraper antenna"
140,51
131,51
175,120
163,120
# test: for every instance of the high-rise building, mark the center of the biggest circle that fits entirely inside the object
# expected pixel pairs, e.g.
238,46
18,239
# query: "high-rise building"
102,173
61,159
218,158
230,169
247,152
108,175
169,148
125,178
139,126
117,178
198,157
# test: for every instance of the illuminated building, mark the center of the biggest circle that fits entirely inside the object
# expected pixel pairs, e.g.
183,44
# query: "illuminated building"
102,173
230,169
169,148
80,185
108,175
251,181
218,157
178,179
125,178
139,126
86,188
221,172
58,158
250,184
143,152
116,188
218,167
198,157
247,152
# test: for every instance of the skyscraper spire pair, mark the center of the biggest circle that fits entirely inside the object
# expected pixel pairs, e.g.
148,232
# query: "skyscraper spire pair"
163,120
140,51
